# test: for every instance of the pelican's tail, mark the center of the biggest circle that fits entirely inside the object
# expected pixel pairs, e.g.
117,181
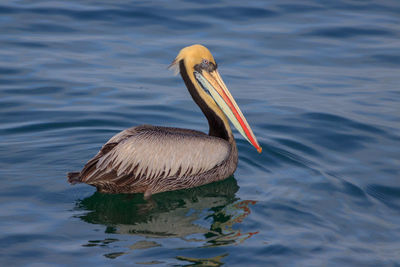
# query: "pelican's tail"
74,177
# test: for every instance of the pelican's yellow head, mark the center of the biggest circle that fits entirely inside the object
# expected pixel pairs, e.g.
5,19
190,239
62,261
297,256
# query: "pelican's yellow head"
202,71
194,55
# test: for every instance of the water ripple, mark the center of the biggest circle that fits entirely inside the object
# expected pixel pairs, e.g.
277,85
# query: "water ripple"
348,32
318,83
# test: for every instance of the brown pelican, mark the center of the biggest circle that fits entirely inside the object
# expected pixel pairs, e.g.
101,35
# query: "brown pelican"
152,159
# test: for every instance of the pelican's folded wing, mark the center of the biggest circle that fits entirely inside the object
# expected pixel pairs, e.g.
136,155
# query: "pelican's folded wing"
153,152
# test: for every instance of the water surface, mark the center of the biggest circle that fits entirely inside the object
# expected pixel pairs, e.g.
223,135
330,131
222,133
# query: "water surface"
317,81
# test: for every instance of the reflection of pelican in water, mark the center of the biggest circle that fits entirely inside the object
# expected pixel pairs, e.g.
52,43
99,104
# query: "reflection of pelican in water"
151,159
214,261
174,214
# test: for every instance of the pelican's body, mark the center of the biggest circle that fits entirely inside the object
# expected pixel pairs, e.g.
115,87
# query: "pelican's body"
151,159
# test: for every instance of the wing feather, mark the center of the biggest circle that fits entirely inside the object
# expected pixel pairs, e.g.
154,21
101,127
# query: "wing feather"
158,152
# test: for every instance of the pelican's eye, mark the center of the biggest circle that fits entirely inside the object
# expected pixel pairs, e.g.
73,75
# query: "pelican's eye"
204,63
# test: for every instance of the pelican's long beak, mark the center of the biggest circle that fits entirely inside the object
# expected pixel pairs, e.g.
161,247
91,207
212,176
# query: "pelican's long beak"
213,83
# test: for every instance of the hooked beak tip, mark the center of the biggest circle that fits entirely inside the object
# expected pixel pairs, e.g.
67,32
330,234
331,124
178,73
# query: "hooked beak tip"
259,150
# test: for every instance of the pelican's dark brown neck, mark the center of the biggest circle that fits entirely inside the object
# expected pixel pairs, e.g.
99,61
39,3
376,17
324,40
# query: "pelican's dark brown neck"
216,125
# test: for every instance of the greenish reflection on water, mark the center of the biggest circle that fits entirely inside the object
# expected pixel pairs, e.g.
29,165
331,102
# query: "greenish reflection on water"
172,214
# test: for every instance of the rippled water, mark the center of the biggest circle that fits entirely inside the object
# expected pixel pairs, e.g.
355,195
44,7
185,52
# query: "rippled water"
317,81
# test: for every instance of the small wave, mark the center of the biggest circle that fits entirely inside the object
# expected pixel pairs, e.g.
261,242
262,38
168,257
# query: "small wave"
339,121
389,195
348,32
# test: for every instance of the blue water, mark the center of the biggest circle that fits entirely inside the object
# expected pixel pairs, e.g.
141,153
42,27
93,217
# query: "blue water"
319,82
